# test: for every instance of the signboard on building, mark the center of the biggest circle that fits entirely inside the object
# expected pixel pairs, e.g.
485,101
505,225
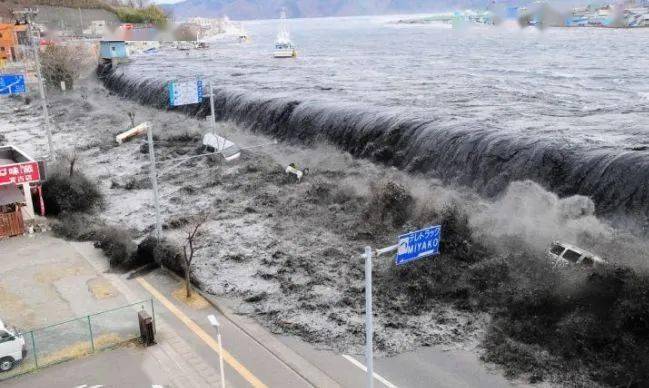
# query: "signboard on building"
185,92
12,84
19,173
418,244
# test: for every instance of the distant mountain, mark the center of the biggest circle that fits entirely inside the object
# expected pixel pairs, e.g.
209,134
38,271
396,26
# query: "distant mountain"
268,9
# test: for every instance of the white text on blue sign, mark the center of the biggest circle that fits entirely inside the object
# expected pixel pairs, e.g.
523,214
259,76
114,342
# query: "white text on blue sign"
418,244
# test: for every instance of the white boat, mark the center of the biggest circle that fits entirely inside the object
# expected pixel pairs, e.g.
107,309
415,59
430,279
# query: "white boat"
284,48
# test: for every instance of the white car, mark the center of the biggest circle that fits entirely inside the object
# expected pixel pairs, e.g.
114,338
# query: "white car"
564,254
12,347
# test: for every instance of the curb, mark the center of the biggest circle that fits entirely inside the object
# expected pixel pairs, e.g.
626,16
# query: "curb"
302,367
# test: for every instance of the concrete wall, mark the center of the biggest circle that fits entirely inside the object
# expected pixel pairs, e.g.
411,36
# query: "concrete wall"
73,20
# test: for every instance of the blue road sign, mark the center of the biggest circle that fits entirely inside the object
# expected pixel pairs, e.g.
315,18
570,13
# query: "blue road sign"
185,92
418,244
12,84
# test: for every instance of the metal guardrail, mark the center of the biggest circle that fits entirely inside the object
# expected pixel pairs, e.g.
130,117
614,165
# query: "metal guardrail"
80,337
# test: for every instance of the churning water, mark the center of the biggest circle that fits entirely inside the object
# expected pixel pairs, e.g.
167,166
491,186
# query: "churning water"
568,108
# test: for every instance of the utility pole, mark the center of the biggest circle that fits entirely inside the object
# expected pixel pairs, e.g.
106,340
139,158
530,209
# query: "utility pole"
29,13
154,183
81,21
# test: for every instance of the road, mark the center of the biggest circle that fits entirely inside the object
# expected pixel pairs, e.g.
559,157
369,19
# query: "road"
423,368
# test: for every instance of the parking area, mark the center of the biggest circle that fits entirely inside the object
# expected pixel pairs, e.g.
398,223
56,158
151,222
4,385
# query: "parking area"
60,301
45,280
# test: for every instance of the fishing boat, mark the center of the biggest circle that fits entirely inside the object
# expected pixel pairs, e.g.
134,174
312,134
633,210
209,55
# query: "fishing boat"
284,48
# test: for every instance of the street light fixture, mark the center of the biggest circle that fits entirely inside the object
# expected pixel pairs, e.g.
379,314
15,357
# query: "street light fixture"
215,323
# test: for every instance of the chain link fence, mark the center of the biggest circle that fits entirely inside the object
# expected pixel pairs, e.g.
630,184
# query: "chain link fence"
77,337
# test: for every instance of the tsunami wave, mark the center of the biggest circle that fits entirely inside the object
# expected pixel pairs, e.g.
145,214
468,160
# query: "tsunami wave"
483,158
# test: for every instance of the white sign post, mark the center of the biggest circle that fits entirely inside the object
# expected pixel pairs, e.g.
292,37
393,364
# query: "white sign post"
411,246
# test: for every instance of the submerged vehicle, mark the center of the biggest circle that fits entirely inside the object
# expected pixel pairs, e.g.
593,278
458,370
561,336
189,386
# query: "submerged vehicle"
217,144
12,347
563,254
284,48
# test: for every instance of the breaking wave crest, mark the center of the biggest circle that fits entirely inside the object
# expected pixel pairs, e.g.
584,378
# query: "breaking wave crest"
484,158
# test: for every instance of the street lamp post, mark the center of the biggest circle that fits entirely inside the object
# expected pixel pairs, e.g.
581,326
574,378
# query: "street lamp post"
215,323
154,183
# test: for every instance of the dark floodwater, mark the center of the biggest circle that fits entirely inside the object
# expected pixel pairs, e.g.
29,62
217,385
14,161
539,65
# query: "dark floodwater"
568,108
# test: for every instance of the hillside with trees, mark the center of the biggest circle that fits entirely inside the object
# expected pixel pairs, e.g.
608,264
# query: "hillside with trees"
126,11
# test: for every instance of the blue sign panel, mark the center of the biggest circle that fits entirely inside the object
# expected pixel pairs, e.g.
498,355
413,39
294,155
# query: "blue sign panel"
185,92
12,84
418,244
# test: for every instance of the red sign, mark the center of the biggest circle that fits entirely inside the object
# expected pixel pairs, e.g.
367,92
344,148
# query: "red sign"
19,173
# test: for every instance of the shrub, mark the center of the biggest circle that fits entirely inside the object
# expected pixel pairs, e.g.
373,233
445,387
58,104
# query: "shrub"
63,192
116,243
389,203
76,226
164,252
64,64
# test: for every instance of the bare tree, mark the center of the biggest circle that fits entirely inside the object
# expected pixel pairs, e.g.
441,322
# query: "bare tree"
65,63
70,159
192,232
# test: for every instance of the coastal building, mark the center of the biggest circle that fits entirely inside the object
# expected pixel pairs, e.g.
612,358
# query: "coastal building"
20,174
612,16
112,49
8,42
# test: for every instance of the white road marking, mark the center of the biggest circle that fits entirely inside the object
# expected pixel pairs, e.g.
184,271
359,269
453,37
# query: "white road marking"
364,369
